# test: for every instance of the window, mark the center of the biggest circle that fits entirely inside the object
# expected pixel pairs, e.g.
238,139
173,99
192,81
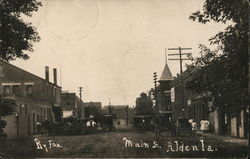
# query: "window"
26,109
38,118
16,90
6,90
41,114
49,114
29,90
1,70
46,113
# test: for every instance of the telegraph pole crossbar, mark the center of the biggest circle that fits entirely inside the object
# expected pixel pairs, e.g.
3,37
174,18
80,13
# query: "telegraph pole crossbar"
179,48
188,53
179,59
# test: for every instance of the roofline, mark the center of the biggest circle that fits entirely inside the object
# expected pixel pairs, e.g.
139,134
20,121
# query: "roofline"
68,93
184,76
28,72
168,69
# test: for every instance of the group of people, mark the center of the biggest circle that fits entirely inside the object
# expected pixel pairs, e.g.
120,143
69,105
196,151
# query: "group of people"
91,126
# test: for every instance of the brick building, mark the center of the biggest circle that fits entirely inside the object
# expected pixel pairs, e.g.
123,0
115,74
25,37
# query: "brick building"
72,105
186,103
199,106
37,99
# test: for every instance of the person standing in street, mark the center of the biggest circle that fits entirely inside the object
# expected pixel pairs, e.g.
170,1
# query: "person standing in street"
88,124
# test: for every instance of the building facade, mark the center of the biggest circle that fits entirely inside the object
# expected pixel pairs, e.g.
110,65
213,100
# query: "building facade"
123,114
92,109
199,106
37,99
186,103
72,105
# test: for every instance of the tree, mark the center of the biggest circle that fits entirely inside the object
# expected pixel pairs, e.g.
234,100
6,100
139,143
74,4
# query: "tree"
7,107
223,71
144,105
16,36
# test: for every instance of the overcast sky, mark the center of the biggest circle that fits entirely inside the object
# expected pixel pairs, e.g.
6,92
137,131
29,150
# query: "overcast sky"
112,47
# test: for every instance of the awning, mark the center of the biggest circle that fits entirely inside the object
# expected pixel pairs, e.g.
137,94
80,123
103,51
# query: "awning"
67,114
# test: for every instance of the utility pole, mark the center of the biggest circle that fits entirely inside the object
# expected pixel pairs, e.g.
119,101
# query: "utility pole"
80,92
180,59
155,93
127,114
109,107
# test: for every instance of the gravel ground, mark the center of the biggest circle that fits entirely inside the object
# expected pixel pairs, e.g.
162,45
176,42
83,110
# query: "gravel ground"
121,144
144,145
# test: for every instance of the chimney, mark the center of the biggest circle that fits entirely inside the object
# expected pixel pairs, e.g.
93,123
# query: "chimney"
55,76
47,73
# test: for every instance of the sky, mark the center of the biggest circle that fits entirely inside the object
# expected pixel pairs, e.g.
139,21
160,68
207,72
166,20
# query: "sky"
112,47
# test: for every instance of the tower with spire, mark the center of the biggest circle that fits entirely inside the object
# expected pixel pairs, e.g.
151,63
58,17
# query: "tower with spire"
165,89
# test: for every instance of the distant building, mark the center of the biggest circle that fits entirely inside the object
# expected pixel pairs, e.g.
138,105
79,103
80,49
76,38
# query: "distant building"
123,114
143,105
72,105
37,99
92,108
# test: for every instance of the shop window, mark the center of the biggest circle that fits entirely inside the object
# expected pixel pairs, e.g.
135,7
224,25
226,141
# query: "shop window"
6,90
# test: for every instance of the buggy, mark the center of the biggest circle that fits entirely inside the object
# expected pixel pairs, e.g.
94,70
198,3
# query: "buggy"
107,122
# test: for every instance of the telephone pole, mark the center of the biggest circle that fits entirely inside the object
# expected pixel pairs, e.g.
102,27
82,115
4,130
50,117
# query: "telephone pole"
109,107
80,92
180,59
155,93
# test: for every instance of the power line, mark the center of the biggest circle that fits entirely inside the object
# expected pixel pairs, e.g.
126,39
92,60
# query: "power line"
180,54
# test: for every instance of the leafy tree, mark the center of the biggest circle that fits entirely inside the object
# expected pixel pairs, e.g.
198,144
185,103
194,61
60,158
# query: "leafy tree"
223,71
16,36
7,107
144,105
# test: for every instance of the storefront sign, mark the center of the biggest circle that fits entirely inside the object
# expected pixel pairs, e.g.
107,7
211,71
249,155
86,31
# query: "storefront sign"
172,95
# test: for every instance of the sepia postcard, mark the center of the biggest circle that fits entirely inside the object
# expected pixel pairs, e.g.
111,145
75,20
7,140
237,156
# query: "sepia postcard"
124,79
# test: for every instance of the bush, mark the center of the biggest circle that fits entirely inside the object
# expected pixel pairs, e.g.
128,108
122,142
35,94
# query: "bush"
7,107
2,126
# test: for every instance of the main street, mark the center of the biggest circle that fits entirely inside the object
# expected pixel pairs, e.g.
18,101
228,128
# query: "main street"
125,143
